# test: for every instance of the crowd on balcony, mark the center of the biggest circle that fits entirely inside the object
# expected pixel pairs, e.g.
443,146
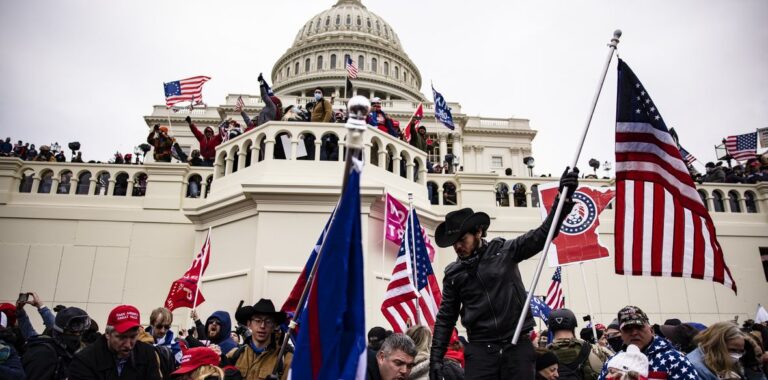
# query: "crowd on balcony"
753,171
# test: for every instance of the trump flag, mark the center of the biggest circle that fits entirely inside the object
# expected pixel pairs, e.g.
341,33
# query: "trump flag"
394,224
182,293
578,239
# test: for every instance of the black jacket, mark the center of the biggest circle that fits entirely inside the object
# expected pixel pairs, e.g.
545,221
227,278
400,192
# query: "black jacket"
97,362
487,291
46,359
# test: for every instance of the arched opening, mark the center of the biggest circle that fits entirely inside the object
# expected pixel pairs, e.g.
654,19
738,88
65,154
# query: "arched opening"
333,61
208,184
349,20
83,183
194,183
397,72
390,158
234,153
518,194
296,68
329,149
262,141
102,183
121,184
307,140
432,194
46,180
502,195
386,69
139,185
733,201
717,201
703,196
306,65
449,194
248,152
535,196
375,147
360,62
374,65
319,62
65,182
750,202
404,160
416,169
27,178
282,149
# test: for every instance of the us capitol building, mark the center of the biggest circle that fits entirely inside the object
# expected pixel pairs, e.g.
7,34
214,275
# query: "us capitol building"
95,236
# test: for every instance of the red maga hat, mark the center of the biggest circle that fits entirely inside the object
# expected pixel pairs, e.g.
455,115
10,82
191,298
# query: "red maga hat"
124,318
195,358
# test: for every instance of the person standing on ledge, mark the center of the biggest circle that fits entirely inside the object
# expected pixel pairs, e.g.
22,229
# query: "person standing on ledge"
484,286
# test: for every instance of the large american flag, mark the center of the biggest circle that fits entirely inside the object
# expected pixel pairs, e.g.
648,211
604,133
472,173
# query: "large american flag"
351,68
742,147
662,227
405,303
185,90
555,298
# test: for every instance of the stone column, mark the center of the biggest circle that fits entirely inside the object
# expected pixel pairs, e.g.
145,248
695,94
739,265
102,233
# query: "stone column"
318,145
229,165
129,190
423,175
111,187
396,165
481,166
342,145
761,200
92,186
204,187
440,199
218,172
294,147
269,149
409,170
254,153
443,138
55,185
367,152
383,157
473,154
35,183
528,198
458,149
74,183
165,186
241,161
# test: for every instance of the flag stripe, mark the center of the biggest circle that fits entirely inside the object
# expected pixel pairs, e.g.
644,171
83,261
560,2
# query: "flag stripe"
657,240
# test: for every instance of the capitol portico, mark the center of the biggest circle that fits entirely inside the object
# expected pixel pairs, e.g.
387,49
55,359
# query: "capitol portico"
95,236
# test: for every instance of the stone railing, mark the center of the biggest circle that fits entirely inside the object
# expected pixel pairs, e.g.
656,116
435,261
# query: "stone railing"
297,141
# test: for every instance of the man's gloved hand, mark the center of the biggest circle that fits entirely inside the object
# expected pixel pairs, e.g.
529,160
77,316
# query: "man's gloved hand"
261,79
188,120
435,371
569,180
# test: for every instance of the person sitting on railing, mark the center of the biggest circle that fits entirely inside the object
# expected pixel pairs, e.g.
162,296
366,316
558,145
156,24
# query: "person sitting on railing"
322,112
195,160
6,148
45,154
273,108
78,158
735,175
208,141
20,150
378,119
60,156
118,158
161,142
31,153
715,173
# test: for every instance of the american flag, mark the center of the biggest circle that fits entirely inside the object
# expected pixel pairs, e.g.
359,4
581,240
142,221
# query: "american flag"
662,227
555,298
351,68
742,147
688,157
185,90
406,304
239,105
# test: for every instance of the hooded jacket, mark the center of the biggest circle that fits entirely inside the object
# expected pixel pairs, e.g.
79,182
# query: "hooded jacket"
207,146
222,339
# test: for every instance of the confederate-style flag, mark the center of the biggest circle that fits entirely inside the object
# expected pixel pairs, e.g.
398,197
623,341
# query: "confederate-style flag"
182,293
578,239
417,116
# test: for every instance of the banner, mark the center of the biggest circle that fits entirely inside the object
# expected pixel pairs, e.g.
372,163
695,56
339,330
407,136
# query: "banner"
762,137
182,293
394,224
442,111
578,239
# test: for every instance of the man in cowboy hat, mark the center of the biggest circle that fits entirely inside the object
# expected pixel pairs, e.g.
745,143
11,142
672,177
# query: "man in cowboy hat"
258,355
484,286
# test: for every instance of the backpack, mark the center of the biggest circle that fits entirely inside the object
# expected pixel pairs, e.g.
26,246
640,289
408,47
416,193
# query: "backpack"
63,358
575,370
166,361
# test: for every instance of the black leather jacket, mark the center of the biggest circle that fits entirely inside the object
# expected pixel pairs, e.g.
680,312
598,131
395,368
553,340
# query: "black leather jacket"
487,291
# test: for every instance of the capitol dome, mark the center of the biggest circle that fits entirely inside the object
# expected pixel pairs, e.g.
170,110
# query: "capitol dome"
348,29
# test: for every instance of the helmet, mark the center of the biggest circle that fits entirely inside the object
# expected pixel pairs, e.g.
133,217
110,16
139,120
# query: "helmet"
72,319
561,319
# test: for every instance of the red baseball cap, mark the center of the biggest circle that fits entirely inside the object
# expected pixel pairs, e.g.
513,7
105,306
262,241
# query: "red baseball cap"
124,318
9,310
195,358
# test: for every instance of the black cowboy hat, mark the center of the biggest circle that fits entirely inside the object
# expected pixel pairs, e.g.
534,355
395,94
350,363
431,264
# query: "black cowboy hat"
263,307
457,223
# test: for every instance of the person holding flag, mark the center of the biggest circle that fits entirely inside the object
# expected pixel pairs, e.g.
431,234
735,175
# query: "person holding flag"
273,107
485,287
415,133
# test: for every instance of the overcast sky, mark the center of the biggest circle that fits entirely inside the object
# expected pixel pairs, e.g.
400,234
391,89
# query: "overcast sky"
90,70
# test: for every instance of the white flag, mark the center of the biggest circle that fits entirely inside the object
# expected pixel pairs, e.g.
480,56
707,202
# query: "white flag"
761,315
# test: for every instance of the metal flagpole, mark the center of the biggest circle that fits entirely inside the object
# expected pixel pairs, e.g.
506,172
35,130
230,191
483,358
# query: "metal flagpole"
558,210
358,110
202,265
589,302
412,246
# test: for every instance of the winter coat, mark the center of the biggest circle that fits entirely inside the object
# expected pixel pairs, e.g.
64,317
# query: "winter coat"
223,339
387,126
162,145
323,112
10,368
417,140
567,352
46,359
716,175
97,362
487,290
27,330
207,146
257,366
273,110
420,370
664,362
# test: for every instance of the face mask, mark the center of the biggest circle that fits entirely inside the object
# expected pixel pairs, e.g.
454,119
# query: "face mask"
318,97
71,342
615,343
735,357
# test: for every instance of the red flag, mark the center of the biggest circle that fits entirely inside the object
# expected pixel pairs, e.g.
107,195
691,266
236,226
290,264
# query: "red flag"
183,290
417,116
394,224
578,239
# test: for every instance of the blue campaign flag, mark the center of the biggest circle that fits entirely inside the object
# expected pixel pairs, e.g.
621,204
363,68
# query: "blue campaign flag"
264,83
442,111
540,309
332,342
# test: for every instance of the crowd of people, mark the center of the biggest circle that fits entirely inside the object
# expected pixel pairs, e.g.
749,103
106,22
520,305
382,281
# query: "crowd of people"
753,171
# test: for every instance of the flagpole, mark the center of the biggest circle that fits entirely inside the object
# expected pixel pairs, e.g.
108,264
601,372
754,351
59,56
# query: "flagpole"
358,110
589,302
558,210
413,257
202,265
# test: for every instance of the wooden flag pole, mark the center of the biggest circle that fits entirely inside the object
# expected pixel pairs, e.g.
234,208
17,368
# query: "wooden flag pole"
358,109
558,210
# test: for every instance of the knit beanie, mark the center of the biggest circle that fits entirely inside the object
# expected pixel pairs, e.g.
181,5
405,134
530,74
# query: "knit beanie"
630,360
545,360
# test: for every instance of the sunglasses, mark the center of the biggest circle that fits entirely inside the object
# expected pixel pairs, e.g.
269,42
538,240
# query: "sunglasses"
166,327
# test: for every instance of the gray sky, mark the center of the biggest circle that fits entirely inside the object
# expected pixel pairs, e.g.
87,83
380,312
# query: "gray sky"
90,70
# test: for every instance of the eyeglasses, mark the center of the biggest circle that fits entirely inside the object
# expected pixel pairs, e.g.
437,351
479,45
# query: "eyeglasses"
163,327
262,321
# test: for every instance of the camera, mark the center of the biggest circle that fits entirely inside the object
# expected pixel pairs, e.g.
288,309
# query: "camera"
586,318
